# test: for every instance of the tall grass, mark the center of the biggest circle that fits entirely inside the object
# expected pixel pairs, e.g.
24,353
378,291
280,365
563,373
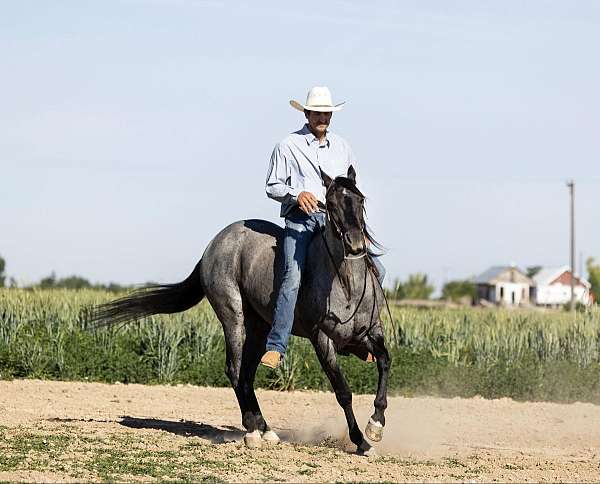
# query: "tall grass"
45,334
483,336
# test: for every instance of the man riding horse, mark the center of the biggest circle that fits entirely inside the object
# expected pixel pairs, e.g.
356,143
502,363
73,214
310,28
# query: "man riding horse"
339,303
295,179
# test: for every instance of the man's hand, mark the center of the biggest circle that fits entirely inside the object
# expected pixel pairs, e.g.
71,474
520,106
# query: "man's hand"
307,202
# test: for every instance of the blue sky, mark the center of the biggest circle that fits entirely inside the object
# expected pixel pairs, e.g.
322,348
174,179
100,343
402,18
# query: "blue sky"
132,131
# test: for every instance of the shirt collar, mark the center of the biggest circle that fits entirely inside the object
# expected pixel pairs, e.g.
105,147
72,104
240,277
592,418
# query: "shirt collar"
311,138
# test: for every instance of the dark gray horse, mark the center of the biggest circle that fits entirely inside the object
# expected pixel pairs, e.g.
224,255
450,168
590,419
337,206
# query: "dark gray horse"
338,305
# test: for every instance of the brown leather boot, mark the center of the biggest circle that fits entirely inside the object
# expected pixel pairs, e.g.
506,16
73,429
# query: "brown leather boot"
271,359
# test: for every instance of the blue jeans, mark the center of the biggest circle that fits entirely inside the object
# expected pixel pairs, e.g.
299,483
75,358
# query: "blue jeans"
299,231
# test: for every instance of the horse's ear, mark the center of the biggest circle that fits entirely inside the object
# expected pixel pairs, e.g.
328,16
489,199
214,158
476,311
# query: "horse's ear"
326,179
351,173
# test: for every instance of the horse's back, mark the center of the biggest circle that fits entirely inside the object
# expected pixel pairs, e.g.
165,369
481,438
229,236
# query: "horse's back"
241,262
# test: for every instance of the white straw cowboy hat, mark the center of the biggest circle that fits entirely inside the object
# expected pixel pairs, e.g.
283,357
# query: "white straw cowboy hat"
318,99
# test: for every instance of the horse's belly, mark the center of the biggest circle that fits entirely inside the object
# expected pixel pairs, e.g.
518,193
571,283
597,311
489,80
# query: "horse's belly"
261,267
258,290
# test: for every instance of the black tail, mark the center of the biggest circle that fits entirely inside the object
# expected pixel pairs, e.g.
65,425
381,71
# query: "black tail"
159,299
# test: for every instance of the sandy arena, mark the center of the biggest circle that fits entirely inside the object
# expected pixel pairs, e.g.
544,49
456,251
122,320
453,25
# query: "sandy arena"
65,431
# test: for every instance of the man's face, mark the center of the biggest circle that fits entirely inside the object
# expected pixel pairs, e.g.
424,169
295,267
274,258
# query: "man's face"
318,122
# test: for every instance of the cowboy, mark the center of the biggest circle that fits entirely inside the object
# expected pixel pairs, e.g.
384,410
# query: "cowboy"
294,180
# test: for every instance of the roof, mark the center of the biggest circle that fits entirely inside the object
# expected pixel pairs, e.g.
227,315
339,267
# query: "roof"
548,275
493,274
490,274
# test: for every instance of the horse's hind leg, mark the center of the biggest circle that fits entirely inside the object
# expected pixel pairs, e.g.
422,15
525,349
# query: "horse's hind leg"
328,359
242,354
254,347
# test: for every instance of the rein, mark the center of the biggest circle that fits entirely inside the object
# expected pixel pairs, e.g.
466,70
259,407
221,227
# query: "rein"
337,272
347,290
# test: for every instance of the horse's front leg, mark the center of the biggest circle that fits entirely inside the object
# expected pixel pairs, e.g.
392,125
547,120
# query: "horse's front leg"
328,358
376,423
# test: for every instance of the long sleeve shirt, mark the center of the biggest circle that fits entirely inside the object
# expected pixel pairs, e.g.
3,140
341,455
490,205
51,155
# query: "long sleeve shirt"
296,163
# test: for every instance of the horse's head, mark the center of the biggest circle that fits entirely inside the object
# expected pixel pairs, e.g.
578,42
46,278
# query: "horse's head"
345,209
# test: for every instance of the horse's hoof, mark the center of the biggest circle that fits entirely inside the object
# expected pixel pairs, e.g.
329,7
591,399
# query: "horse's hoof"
366,450
253,440
374,430
270,437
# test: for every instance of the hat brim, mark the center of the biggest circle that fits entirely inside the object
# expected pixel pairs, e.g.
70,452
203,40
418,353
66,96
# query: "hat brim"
319,109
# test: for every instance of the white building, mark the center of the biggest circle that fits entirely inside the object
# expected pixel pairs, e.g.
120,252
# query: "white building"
553,287
503,285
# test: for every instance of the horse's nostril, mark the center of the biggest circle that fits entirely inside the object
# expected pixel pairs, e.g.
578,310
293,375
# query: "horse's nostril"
354,244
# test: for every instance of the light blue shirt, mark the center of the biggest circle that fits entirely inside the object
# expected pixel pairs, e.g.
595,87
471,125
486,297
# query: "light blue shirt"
296,162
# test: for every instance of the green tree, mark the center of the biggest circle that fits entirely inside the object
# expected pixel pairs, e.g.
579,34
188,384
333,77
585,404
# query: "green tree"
398,291
456,290
594,277
533,270
48,282
73,282
2,275
416,287
76,282
112,287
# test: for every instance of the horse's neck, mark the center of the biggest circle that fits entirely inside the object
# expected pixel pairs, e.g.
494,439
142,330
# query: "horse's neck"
332,249
330,256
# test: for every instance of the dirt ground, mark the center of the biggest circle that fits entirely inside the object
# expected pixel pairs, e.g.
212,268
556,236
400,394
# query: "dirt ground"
65,431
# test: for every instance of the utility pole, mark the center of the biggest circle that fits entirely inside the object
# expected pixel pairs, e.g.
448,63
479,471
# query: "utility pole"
571,185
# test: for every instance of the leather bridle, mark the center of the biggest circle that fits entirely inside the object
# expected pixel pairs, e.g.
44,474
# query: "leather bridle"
340,234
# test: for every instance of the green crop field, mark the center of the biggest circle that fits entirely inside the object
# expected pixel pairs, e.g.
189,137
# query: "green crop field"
519,354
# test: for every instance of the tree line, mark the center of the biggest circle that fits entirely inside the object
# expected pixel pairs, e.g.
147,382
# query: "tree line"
416,286
53,282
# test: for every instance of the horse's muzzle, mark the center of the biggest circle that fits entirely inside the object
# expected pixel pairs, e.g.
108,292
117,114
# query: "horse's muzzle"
354,245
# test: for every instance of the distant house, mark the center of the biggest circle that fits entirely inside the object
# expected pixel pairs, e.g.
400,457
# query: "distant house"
553,287
503,285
